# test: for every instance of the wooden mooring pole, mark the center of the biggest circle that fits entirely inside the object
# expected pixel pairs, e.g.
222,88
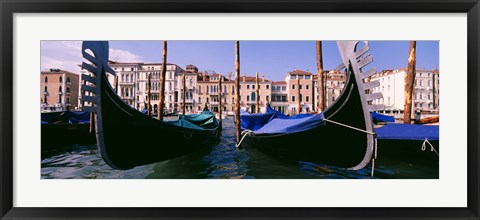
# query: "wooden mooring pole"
320,79
257,94
298,97
220,100
161,102
237,90
409,81
184,93
149,96
92,122
116,84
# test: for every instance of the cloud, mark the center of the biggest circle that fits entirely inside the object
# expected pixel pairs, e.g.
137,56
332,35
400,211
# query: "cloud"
67,55
124,56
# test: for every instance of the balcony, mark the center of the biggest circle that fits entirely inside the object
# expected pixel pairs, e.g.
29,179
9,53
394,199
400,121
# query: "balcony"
60,93
126,83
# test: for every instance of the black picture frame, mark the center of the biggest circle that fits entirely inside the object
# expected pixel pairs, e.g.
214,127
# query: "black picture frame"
10,7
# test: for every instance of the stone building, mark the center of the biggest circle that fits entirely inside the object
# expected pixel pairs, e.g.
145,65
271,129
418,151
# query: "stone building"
59,90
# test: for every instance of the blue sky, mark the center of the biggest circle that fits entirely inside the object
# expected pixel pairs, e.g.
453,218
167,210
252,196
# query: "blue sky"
274,58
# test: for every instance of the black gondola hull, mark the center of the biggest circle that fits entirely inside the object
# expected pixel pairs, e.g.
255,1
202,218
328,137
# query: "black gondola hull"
331,143
130,138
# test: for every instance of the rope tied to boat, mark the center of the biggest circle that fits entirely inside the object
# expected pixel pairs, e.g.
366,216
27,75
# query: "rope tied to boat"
424,146
243,134
348,126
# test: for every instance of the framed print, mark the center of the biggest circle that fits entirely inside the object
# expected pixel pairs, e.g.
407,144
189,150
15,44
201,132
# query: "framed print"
212,109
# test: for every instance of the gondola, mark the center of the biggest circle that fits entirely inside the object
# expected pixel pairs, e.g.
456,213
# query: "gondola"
126,137
62,128
342,135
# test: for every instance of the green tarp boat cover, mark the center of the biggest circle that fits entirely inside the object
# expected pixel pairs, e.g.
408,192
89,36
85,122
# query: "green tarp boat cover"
203,121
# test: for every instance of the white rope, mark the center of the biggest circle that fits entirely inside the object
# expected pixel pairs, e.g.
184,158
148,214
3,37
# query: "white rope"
244,134
424,146
348,126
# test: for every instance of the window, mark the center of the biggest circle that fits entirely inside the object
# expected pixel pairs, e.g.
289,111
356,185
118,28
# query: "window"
46,79
132,69
60,79
293,98
388,87
267,86
307,98
292,77
68,89
46,89
207,99
59,98
253,87
301,98
45,99
200,99
68,100
248,98
307,77
248,86
68,79
307,87
300,86
293,86
268,98
333,98
123,69
60,88
284,88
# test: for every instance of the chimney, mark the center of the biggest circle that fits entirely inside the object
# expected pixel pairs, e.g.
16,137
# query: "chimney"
204,74
244,76
229,76
263,77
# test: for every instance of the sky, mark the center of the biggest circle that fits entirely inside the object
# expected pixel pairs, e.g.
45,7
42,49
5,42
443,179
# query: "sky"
272,58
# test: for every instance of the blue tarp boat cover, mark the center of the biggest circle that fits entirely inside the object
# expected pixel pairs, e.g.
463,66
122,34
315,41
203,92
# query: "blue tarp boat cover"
275,122
376,117
408,132
65,117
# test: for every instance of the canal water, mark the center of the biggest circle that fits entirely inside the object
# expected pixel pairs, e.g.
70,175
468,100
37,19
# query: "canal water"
221,161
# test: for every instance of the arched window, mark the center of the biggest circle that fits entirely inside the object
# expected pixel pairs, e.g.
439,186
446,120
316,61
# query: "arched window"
68,89
68,100
46,89
68,79
60,79
46,79
60,88
253,95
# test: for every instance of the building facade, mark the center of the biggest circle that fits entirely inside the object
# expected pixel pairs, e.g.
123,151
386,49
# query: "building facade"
392,85
59,90
306,95
133,85
248,95
279,100
335,82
